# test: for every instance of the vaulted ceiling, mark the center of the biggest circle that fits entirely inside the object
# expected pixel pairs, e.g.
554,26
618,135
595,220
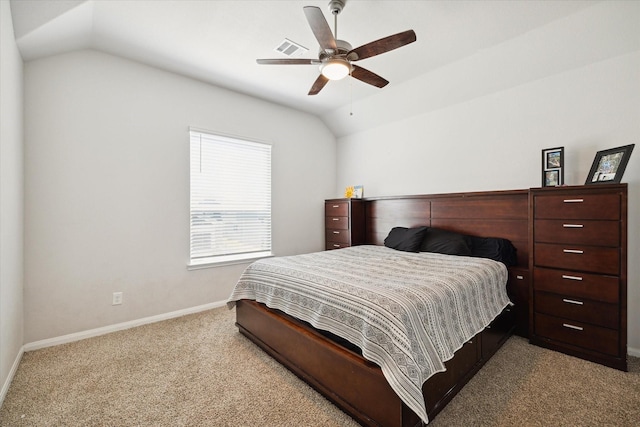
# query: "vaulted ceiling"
464,49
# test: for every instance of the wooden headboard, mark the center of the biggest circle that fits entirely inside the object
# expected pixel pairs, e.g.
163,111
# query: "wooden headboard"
487,214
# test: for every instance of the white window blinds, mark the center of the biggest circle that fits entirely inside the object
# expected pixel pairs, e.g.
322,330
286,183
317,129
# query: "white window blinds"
230,198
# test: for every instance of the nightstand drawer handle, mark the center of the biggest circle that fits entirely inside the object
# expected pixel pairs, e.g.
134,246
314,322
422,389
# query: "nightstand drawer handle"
336,246
572,251
571,301
572,225
573,200
577,328
335,219
519,277
564,276
336,232
336,206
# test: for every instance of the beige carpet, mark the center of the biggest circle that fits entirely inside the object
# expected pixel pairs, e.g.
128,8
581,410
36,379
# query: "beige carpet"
198,370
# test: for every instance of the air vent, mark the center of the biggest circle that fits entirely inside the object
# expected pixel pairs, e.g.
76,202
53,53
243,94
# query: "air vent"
290,48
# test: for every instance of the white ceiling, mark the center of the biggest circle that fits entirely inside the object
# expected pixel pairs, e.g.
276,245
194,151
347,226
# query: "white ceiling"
218,42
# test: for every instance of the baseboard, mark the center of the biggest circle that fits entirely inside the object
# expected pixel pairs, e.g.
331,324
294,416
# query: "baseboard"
50,342
12,373
635,352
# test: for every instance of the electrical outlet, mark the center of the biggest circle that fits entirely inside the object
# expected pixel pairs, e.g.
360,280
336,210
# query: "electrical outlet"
117,298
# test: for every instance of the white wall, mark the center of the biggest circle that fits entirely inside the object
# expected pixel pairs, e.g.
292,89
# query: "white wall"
494,142
11,201
107,190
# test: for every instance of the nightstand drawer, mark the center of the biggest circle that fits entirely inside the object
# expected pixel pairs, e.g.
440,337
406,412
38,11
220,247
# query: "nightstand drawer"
336,222
336,209
580,232
580,309
336,245
578,257
518,285
578,206
337,236
518,291
582,285
587,336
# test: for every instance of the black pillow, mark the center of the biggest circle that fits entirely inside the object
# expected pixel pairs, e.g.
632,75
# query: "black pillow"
445,242
494,248
405,239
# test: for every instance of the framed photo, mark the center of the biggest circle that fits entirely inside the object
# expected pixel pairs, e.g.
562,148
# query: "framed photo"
553,167
609,165
354,192
551,178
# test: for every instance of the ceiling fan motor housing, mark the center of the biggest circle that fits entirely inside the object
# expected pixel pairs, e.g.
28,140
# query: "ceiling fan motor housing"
343,48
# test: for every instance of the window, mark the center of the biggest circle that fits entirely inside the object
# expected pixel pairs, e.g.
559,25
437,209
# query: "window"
230,199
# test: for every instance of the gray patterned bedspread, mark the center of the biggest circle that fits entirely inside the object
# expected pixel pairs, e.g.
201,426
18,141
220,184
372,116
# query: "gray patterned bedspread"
408,312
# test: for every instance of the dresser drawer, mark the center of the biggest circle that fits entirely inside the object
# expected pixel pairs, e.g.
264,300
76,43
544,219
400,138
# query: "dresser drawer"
338,236
578,257
587,336
580,309
336,209
578,206
580,232
578,284
336,223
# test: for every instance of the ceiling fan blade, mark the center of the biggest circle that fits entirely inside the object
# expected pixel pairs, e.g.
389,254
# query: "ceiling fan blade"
289,61
320,82
367,76
381,46
320,27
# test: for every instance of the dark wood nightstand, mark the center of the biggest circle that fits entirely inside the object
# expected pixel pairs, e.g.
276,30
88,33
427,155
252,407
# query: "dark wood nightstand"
344,223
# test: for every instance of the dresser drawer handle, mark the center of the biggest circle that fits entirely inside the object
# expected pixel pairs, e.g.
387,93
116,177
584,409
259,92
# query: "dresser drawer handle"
573,200
564,276
336,206
572,251
577,328
519,277
572,225
336,232
336,245
571,301
335,219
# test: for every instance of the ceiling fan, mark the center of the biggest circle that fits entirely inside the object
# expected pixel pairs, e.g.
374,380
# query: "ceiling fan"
336,57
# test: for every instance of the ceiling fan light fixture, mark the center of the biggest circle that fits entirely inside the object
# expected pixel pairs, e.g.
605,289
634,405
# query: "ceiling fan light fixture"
335,68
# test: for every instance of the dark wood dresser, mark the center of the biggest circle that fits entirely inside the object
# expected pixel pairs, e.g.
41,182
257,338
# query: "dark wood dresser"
578,256
344,223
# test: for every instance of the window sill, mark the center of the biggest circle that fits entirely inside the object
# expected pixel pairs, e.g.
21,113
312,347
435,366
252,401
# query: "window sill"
221,261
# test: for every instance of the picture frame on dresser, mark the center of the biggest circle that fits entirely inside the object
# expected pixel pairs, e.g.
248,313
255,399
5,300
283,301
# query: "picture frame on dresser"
553,167
609,165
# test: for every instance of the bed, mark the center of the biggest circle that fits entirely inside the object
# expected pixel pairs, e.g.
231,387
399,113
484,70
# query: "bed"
385,367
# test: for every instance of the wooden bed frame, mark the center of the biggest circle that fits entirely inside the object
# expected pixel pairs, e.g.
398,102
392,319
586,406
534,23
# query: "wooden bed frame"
358,386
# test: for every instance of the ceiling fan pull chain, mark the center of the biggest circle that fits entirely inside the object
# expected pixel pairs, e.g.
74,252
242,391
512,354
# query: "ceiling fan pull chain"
350,93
